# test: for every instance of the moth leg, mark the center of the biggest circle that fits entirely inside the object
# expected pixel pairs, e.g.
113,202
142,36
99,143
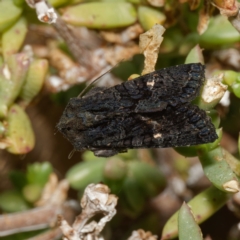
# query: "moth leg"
107,152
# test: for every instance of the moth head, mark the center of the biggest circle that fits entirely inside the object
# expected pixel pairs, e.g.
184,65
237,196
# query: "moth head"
65,127
66,124
73,121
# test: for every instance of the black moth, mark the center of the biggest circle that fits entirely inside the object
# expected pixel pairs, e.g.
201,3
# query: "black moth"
150,111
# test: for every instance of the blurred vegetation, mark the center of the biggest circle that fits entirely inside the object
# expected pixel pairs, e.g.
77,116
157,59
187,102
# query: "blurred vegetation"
152,185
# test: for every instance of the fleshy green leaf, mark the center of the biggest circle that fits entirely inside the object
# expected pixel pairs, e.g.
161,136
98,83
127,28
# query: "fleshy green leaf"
195,55
220,32
13,38
102,15
18,179
148,177
12,201
19,132
149,16
32,192
217,170
9,13
38,173
84,173
11,83
187,227
203,206
34,81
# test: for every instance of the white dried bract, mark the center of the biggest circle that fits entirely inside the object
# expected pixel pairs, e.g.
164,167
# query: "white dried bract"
213,89
225,101
67,230
96,199
142,235
204,16
45,13
149,44
54,192
229,8
124,36
231,186
6,72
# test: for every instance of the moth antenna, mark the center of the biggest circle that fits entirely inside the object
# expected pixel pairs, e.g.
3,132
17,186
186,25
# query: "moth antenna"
95,80
71,153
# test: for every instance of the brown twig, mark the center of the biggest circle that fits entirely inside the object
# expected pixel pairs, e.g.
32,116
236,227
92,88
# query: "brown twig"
79,50
34,219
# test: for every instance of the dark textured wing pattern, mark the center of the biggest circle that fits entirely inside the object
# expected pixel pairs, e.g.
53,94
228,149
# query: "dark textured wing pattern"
172,127
148,112
149,93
